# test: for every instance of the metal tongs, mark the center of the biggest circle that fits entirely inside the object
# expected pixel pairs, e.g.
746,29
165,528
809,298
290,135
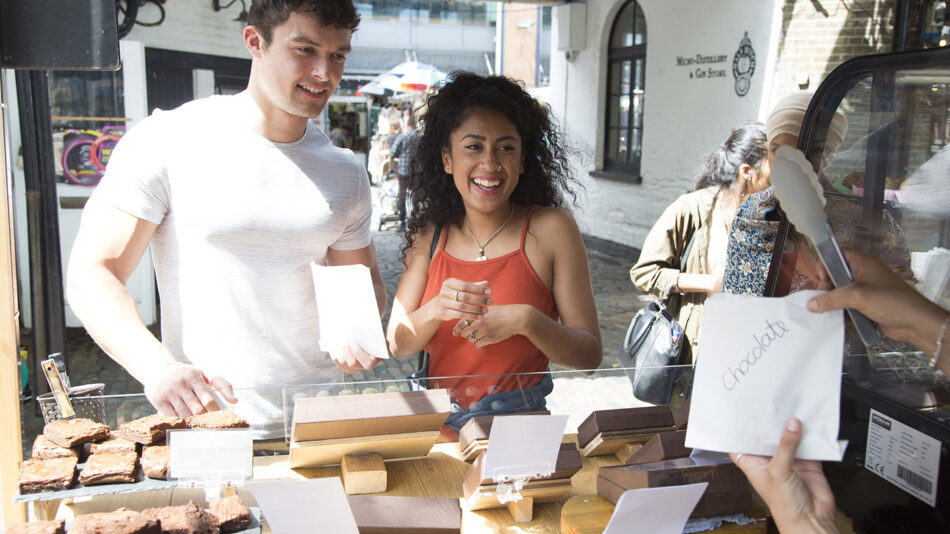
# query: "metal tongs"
55,370
797,189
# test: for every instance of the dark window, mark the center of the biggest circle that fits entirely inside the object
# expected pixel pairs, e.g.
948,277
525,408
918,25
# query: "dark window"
626,62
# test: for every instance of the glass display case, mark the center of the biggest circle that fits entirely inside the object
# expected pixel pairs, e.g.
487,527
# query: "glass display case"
887,187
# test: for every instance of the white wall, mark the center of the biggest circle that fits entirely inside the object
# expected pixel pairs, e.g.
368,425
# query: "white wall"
192,26
684,118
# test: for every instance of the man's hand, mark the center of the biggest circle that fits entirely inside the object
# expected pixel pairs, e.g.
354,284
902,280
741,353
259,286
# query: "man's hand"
185,391
796,491
354,359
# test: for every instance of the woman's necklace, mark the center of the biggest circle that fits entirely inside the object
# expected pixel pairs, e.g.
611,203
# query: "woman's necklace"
481,247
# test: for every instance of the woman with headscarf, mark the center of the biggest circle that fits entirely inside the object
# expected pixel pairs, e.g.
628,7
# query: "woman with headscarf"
752,237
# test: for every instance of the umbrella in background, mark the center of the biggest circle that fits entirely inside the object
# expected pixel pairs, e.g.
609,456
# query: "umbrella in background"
406,77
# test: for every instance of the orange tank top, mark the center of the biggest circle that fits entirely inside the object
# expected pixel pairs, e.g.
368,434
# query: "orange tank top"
512,281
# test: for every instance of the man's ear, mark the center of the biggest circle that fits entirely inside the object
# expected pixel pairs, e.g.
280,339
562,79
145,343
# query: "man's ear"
447,160
254,41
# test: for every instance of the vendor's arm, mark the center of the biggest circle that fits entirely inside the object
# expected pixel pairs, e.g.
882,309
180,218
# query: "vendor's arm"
657,271
900,311
353,358
412,323
572,342
107,249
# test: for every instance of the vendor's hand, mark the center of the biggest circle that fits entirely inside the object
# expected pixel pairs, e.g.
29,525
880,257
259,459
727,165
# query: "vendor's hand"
796,491
497,324
878,292
461,300
354,359
185,391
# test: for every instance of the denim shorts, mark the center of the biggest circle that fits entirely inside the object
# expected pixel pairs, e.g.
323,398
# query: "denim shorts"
530,399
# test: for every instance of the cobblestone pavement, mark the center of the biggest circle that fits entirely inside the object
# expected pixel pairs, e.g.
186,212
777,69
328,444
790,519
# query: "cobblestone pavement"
615,296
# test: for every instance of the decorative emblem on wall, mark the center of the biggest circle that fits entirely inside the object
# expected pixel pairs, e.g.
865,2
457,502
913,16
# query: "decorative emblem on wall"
743,65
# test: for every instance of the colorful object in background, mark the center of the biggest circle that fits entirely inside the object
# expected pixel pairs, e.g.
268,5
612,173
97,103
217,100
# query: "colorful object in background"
21,363
86,153
407,77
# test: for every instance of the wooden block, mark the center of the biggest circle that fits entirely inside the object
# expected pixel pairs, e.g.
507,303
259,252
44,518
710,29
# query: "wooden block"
681,415
346,416
521,510
610,442
542,491
627,450
406,515
663,446
586,514
363,473
623,419
331,451
568,463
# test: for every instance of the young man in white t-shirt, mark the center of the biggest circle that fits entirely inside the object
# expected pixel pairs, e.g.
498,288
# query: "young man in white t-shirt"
236,196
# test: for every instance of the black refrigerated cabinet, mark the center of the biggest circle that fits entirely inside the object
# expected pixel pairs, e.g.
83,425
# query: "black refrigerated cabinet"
897,108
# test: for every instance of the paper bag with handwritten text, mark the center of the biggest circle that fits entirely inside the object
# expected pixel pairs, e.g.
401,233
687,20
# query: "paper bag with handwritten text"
762,361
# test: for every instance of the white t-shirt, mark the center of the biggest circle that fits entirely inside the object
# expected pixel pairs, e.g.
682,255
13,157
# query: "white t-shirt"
240,219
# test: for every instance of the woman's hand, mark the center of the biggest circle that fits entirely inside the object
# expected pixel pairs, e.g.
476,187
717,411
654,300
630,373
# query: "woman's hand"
460,300
498,323
796,491
900,311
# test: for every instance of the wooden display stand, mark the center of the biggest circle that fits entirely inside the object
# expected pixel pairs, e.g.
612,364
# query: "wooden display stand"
360,432
481,493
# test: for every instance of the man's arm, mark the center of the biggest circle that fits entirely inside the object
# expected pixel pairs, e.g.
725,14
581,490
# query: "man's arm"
107,249
355,359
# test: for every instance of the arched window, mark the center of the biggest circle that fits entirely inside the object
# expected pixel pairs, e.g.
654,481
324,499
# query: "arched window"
626,61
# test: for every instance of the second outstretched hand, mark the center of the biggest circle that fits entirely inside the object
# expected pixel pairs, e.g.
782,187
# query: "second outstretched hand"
900,311
353,359
458,299
185,391
796,491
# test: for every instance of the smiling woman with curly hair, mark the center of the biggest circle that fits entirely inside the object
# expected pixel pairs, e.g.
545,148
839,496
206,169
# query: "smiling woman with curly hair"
507,289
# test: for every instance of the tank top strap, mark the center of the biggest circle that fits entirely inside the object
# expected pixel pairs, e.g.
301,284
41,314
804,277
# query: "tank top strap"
524,231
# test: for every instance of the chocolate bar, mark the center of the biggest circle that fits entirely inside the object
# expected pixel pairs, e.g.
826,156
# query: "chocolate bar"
568,463
663,446
646,417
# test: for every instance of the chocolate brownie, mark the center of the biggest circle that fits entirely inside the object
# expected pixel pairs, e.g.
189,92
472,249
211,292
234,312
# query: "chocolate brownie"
216,419
113,445
39,527
71,432
184,519
232,515
121,521
51,474
109,468
150,429
44,448
155,461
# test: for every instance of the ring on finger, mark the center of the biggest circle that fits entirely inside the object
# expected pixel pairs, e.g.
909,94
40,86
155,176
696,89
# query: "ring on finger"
456,295
465,323
738,457
472,336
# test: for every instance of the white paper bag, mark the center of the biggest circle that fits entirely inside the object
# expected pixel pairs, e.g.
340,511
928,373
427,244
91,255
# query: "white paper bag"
762,361
346,306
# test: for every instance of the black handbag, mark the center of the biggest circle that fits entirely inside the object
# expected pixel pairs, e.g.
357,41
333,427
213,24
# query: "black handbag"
654,341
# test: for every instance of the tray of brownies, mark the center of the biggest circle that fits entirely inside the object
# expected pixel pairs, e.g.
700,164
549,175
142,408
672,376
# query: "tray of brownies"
80,457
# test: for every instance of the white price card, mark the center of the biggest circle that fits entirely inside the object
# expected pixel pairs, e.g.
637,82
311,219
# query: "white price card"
225,454
903,456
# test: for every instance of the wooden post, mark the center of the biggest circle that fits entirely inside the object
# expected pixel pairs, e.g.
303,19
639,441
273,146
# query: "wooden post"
363,473
10,447
521,510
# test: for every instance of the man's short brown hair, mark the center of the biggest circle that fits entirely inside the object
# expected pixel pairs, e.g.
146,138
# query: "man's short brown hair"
266,14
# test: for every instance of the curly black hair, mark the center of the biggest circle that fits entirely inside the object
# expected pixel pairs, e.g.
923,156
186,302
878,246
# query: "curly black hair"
547,174
266,14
